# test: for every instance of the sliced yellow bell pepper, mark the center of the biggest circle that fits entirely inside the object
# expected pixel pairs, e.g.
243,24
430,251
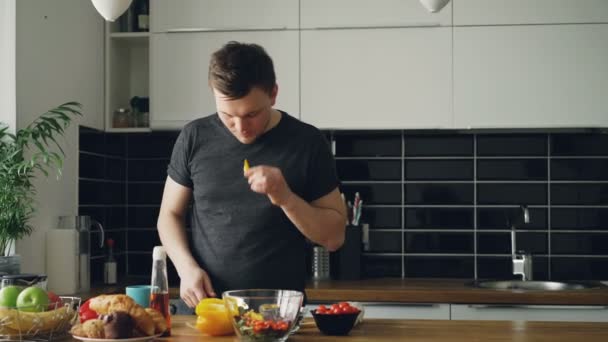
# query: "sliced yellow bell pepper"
213,317
245,165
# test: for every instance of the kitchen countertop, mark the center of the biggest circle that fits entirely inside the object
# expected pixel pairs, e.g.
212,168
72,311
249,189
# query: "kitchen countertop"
396,290
426,330
451,291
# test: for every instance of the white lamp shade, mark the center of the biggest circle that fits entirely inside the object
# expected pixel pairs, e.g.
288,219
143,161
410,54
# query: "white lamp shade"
111,9
434,5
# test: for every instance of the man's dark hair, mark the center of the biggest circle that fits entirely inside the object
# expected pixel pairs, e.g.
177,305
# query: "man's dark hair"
238,67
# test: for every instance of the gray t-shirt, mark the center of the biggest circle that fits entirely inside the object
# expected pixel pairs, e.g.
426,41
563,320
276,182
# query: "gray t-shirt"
239,237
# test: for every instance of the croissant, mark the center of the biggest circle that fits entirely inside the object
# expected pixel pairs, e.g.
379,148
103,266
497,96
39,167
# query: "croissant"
92,328
160,324
106,304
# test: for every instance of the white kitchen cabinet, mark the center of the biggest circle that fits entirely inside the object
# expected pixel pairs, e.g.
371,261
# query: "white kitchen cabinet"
377,78
509,12
531,76
573,313
365,13
223,15
126,72
378,310
179,70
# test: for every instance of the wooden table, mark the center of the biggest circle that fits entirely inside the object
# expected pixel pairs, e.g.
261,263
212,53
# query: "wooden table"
427,330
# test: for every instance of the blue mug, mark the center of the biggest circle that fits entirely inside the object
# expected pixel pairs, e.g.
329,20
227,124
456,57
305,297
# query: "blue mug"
140,294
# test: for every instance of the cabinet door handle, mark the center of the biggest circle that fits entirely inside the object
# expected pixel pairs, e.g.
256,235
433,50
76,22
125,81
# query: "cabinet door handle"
522,306
412,25
224,29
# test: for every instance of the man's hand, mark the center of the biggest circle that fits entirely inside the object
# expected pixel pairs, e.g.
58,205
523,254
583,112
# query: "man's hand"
269,180
194,286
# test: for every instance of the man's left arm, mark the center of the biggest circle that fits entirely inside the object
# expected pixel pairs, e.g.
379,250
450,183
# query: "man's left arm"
322,221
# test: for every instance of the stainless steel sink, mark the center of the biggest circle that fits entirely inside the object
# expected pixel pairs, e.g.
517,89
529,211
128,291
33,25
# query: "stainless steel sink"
531,285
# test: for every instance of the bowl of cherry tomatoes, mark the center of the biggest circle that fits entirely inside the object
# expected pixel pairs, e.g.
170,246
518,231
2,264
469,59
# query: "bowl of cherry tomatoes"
336,319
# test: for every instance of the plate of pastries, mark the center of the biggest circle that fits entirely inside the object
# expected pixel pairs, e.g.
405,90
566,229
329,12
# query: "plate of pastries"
117,317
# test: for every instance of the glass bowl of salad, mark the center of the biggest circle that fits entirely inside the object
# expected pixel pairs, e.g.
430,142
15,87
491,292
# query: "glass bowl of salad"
263,315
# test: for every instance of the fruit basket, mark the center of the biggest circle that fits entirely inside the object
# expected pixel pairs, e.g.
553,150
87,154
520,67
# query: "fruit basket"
33,324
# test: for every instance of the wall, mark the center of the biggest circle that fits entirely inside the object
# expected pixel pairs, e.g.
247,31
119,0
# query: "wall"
59,59
438,203
7,63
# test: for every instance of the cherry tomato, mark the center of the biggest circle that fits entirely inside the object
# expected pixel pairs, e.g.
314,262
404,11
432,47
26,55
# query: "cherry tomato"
343,304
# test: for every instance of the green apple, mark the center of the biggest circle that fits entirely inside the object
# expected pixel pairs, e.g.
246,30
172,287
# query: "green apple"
33,299
8,296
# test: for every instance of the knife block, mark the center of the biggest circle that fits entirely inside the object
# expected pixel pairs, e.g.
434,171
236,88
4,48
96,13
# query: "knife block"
346,261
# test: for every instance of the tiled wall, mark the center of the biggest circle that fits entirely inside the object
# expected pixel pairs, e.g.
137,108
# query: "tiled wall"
120,184
438,203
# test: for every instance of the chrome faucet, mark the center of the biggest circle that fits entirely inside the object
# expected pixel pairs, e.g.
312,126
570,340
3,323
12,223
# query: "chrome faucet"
522,262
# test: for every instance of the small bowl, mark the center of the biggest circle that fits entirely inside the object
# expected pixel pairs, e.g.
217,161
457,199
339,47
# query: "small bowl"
340,324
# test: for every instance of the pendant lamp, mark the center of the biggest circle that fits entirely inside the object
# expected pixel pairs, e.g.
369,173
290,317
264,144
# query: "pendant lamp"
434,5
111,9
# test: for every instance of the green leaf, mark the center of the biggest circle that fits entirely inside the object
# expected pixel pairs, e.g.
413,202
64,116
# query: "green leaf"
17,173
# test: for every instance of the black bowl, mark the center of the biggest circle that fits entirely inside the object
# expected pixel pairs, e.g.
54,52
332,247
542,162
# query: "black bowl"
340,324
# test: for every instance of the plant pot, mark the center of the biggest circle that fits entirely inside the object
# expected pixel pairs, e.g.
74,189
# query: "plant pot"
10,264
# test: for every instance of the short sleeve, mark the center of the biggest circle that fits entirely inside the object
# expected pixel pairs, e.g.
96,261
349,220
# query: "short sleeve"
322,175
179,166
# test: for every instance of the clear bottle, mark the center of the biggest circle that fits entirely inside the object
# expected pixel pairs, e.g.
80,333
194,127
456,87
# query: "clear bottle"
159,290
109,275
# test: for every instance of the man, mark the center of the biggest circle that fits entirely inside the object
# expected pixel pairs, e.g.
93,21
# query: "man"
249,226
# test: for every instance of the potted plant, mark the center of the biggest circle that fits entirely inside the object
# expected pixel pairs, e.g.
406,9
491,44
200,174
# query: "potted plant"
22,156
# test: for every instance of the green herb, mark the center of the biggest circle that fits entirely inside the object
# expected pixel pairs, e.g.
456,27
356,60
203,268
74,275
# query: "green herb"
22,155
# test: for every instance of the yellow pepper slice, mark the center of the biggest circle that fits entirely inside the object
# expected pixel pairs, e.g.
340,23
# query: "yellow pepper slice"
213,317
245,165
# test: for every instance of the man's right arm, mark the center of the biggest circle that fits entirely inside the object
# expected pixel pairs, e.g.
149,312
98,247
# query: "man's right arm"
195,283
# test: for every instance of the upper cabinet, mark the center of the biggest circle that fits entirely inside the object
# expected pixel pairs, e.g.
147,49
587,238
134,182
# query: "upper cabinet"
319,14
531,76
377,78
185,15
179,63
511,12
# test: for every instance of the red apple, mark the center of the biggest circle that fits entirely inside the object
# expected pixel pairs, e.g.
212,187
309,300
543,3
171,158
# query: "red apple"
54,300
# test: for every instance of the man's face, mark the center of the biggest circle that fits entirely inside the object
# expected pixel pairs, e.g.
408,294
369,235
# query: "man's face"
247,118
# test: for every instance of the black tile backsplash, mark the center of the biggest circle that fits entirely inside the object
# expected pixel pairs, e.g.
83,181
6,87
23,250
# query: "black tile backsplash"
439,218
579,145
500,243
443,193
438,170
511,193
500,145
512,169
375,194
579,194
388,242
438,204
379,170
438,145
365,144
438,242
504,218
383,218
438,267
579,218
579,169
380,266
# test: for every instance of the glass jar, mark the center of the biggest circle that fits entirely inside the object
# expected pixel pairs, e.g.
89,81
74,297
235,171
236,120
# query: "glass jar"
121,118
